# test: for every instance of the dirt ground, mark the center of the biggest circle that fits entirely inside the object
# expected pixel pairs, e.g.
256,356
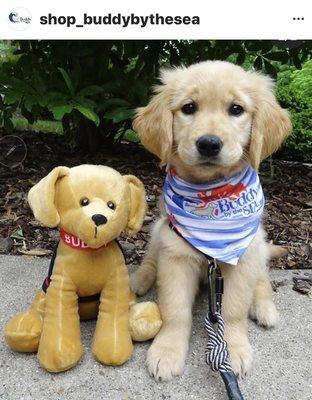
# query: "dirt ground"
288,217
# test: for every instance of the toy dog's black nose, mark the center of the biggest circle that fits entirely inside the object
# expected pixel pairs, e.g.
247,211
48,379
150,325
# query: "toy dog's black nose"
99,219
209,145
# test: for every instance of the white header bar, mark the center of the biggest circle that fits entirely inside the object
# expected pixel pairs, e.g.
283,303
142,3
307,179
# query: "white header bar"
164,19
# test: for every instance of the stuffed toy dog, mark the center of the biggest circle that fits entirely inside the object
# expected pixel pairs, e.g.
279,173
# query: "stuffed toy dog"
91,205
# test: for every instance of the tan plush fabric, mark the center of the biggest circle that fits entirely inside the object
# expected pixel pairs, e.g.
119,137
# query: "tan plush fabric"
52,324
145,320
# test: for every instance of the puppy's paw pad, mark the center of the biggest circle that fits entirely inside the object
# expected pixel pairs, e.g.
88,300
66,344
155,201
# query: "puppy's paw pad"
241,359
265,314
164,363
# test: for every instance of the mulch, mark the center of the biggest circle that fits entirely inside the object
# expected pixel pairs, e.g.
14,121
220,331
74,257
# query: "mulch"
288,219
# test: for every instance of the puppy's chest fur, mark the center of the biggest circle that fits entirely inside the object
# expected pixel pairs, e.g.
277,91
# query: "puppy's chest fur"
88,270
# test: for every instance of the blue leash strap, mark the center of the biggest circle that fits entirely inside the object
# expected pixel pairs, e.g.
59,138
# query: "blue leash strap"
47,280
217,355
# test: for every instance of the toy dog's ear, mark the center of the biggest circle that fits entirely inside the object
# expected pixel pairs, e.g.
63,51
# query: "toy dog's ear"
41,197
138,204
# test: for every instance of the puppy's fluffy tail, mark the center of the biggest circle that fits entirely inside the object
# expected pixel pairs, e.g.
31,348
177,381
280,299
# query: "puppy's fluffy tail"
277,251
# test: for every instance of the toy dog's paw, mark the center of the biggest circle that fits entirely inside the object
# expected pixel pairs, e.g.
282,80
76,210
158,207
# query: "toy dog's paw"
241,359
23,332
144,321
112,351
60,354
165,362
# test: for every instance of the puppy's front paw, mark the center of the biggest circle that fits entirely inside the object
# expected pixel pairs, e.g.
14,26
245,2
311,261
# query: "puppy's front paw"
265,313
241,359
165,362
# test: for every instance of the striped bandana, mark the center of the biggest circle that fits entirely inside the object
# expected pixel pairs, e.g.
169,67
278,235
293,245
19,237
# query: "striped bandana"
219,218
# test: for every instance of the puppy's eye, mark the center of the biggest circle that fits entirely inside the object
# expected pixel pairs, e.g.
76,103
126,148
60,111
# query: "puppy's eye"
236,110
84,201
111,205
189,108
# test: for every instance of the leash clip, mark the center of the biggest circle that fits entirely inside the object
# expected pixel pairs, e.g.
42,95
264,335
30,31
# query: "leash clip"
215,289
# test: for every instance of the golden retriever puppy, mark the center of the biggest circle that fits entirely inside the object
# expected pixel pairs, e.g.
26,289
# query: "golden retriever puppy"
207,122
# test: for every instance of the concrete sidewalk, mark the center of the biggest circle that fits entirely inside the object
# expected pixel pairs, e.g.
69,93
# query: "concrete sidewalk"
281,370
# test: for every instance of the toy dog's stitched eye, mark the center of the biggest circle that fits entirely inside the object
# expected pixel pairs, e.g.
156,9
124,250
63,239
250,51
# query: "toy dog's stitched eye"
189,108
111,205
236,110
84,201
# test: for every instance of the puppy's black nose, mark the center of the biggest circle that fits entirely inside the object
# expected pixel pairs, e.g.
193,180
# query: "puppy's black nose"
99,219
209,145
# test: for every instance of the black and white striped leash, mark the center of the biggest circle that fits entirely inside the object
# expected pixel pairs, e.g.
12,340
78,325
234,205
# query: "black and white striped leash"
217,355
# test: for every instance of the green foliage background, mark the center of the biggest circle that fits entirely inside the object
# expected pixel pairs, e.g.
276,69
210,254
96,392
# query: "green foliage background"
294,91
93,87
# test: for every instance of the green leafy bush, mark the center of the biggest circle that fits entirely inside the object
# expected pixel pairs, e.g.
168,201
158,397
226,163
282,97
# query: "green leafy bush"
294,91
93,87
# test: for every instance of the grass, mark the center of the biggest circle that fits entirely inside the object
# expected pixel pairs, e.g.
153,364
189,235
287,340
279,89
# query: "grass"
46,126
21,124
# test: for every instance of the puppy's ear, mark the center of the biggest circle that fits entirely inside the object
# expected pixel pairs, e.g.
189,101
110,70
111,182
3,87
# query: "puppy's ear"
271,123
41,197
153,124
138,204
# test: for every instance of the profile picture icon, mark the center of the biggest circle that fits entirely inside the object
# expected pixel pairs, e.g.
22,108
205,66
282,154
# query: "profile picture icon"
19,19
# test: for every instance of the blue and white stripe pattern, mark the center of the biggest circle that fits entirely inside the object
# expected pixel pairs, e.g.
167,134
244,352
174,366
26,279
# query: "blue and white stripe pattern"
219,218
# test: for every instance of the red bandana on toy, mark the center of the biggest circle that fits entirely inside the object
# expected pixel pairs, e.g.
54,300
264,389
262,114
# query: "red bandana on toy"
74,242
